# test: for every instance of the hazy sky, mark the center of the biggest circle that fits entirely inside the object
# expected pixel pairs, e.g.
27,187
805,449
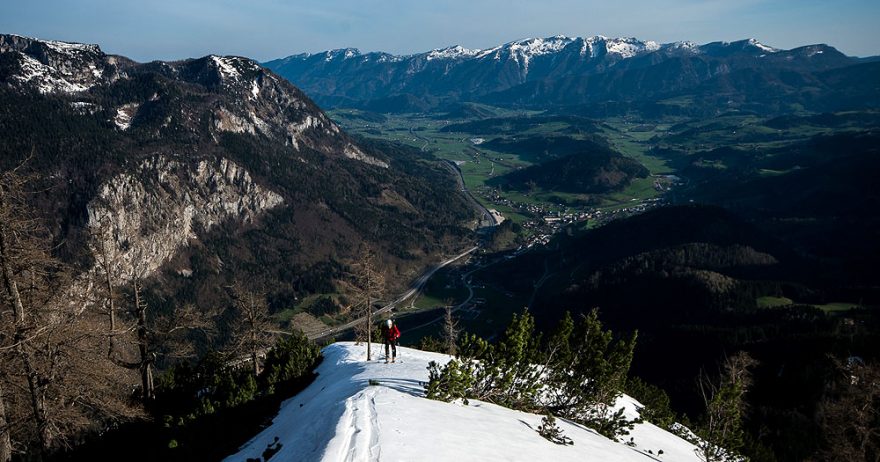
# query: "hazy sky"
264,29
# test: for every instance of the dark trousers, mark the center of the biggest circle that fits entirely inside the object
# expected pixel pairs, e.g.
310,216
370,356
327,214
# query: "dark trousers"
393,345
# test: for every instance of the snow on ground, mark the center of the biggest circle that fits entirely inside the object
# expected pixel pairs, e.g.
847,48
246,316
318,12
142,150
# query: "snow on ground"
342,417
224,64
761,46
453,52
68,47
45,78
124,114
627,47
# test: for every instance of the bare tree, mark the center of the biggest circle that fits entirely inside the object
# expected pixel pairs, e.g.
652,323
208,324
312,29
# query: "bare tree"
450,330
369,287
850,412
23,262
47,341
252,328
155,334
105,262
725,403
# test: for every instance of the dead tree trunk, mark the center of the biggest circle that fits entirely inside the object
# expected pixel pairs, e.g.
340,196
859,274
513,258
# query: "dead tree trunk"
106,266
450,330
146,356
5,440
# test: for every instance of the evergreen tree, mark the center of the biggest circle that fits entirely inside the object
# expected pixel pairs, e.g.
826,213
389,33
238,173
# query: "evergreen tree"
656,407
578,374
587,370
550,430
292,358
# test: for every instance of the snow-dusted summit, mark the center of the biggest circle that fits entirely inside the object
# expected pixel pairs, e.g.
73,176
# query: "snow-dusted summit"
342,417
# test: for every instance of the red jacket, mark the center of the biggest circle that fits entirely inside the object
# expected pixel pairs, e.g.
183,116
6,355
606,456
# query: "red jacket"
391,333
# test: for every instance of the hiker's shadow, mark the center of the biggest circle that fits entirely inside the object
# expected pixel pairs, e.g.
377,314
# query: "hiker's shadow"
409,386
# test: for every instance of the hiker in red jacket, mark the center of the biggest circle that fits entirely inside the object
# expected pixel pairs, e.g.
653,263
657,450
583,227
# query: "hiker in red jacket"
390,333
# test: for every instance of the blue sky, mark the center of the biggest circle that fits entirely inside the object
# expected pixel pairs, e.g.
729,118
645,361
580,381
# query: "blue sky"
265,29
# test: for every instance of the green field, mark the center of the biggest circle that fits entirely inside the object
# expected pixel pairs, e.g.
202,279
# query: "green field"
772,302
833,307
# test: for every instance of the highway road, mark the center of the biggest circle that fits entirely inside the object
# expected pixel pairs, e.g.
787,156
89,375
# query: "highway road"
413,290
486,217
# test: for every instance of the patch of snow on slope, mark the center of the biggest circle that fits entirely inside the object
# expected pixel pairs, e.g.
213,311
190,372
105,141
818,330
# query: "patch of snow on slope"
689,47
629,47
761,46
255,89
341,416
227,69
345,53
124,114
43,76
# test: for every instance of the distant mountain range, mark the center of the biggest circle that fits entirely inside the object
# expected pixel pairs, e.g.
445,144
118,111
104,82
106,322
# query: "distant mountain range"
566,71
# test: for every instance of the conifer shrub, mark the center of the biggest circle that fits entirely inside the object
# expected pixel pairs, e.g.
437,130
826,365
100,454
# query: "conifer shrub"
578,373
656,406
551,431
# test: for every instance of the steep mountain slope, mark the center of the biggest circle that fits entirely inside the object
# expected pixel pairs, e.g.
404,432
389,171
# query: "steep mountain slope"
551,71
362,411
209,170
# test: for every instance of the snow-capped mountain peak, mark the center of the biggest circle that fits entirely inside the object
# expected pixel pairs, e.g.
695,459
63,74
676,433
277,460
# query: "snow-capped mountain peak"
761,46
539,46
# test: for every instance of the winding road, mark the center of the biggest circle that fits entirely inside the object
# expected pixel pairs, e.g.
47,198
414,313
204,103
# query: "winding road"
414,289
486,217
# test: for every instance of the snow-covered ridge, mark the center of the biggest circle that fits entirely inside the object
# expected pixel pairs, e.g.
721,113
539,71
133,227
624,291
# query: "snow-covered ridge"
761,46
343,53
70,47
524,50
685,46
452,52
57,46
369,411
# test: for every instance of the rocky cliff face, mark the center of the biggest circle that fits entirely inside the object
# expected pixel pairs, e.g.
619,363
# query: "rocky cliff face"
145,216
